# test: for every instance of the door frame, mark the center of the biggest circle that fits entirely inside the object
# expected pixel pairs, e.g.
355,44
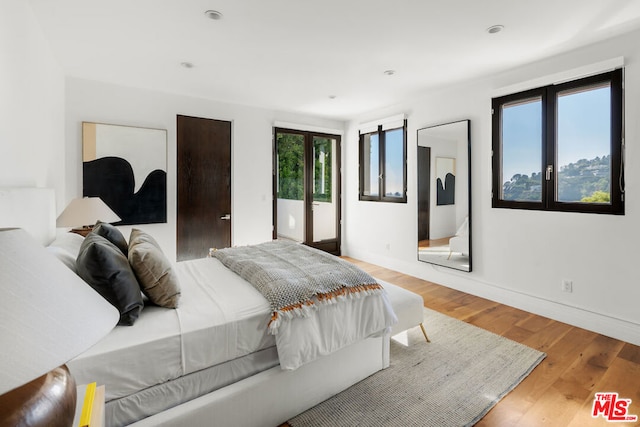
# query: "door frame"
333,246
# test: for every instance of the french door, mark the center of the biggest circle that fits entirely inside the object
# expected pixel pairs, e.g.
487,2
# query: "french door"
307,188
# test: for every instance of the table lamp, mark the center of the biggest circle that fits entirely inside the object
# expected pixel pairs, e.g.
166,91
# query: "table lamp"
48,315
84,213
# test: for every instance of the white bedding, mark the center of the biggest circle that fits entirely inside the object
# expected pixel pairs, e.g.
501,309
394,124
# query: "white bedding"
331,328
221,317
214,323
235,315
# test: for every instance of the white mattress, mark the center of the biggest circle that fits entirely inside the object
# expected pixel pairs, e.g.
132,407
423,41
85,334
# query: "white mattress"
221,317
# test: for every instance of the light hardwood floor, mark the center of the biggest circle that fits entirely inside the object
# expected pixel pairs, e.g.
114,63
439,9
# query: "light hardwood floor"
560,391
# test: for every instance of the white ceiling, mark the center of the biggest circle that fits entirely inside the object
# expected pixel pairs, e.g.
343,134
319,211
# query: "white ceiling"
295,55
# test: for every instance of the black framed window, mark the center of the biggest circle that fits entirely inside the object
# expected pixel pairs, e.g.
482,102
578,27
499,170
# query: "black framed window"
561,147
383,163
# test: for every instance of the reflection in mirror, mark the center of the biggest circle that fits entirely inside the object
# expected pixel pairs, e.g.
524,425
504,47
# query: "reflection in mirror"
444,196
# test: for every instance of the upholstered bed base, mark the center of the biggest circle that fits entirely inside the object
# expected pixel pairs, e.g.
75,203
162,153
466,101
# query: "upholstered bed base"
274,396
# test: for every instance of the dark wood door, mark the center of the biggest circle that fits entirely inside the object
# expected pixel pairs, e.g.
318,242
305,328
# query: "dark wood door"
204,186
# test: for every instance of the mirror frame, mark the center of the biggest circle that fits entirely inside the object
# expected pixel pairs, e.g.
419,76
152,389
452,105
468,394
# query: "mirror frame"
436,261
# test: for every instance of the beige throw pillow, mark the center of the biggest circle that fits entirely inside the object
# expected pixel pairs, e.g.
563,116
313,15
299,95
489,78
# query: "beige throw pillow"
158,281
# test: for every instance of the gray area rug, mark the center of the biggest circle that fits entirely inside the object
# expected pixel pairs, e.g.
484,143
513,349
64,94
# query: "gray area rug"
452,381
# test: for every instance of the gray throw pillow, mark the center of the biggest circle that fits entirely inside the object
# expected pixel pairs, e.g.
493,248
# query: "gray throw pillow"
112,234
105,268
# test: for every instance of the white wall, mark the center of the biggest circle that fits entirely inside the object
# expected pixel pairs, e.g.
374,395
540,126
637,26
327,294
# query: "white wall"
31,104
251,184
519,257
291,219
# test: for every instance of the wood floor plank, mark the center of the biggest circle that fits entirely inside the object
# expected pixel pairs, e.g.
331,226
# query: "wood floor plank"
498,319
534,323
551,409
592,363
465,310
631,353
546,338
623,377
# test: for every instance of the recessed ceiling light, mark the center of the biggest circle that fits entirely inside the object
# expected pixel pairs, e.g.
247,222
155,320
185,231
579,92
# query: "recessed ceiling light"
389,72
495,29
186,64
213,14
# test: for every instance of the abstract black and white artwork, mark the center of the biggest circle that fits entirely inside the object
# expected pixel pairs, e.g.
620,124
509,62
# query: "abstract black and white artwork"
445,181
127,168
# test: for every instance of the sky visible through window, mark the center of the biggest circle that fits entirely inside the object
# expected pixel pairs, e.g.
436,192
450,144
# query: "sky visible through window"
584,126
394,158
522,139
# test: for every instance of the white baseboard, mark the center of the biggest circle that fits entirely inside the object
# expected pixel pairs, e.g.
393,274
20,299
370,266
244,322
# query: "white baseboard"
576,316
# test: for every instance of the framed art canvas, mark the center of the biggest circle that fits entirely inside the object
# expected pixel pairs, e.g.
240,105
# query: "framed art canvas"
127,168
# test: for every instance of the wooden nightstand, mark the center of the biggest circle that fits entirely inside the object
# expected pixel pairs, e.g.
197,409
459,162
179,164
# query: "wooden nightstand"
82,231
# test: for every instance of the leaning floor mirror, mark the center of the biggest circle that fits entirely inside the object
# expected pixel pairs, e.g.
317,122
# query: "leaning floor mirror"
444,195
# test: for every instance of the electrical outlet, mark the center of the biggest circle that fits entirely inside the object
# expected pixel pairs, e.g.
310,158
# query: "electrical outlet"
567,285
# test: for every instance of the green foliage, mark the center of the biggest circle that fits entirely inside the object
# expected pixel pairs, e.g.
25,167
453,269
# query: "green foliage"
290,166
577,181
523,188
597,197
290,149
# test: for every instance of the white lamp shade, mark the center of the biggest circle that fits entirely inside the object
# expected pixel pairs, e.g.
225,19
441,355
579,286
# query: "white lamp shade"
86,211
48,315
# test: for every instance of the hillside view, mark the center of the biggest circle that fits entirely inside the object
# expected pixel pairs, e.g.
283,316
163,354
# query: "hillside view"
583,181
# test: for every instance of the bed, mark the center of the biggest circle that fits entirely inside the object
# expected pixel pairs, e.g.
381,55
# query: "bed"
212,361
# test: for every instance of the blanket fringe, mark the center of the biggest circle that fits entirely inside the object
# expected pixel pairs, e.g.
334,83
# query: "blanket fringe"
304,309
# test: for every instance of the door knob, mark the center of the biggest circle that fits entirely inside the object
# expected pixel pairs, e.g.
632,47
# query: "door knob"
226,217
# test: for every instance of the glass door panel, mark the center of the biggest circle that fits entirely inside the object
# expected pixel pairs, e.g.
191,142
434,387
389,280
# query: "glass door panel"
290,186
307,188
324,205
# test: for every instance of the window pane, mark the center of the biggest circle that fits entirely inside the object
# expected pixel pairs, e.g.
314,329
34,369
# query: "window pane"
394,163
522,150
371,165
584,145
290,166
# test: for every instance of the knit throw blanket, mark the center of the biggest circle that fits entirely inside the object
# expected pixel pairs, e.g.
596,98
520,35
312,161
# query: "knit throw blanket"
296,279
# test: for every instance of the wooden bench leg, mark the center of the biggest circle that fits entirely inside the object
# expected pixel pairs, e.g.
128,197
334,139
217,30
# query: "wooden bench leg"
424,332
